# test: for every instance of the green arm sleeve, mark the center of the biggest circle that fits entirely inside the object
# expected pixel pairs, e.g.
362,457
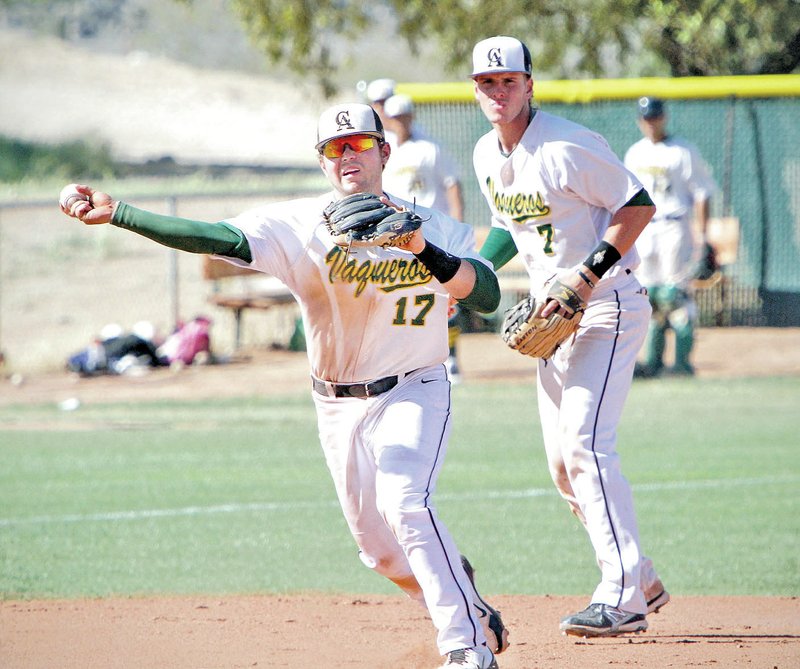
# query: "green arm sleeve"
185,235
485,295
499,247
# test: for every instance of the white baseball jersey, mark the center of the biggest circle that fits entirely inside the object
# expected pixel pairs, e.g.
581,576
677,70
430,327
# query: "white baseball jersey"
556,194
676,176
673,172
419,171
369,314
350,326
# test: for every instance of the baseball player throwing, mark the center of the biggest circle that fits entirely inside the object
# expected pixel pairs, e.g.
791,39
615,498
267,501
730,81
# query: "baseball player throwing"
373,285
559,196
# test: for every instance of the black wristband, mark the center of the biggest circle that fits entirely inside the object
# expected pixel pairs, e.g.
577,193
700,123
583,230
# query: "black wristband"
440,263
602,259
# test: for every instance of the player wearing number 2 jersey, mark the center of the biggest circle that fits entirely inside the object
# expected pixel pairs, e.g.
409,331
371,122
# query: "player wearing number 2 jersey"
560,197
376,329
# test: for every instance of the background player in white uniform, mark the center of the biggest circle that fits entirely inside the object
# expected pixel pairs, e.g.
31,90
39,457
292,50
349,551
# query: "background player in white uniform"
560,197
680,183
420,171
376,328
377,93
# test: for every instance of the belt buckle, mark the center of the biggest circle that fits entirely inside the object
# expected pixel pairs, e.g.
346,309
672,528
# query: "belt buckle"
378,385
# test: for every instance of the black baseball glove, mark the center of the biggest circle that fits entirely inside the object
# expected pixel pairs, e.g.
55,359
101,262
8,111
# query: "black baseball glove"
364,220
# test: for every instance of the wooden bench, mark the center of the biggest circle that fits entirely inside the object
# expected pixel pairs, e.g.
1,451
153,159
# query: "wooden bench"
266,292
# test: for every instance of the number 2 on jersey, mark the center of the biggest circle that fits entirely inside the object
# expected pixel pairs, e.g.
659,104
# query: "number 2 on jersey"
426,301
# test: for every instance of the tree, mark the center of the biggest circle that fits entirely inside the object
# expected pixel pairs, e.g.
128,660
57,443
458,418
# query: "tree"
584,38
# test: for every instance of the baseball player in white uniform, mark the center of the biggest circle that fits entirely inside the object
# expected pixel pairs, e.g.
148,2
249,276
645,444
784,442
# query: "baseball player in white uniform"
376,327
680,183
559,196
419,170
377,93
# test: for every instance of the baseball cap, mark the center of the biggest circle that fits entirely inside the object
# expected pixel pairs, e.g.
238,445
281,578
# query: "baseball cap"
349,118
398,105
380,89
650,107
500,54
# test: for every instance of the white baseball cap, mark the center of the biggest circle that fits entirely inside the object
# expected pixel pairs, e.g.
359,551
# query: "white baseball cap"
380,89
398,105
348,118
500,54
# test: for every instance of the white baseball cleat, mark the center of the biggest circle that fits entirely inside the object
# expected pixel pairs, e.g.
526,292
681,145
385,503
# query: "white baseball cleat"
479,657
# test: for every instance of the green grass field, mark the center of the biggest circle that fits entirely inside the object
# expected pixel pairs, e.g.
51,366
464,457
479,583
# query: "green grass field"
234,497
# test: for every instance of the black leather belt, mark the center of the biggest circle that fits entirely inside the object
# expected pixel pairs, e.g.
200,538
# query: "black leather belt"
359,390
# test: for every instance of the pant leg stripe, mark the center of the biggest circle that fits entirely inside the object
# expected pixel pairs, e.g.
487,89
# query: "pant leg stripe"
466,600
594,436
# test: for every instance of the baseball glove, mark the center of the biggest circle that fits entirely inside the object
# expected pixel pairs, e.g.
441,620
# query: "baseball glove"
707,266
526,331
364,220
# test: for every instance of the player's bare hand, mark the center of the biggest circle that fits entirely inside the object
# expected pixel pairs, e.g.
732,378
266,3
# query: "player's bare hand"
86,204
415,243
385,199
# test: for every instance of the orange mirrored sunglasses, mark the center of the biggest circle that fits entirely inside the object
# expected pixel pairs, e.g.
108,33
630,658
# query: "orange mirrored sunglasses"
358,143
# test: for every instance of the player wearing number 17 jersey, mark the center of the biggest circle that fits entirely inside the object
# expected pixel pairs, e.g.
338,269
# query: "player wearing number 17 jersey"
376,328
560,197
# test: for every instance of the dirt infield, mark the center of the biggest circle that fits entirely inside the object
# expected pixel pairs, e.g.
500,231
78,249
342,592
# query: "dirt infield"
370,632
373,632
720,352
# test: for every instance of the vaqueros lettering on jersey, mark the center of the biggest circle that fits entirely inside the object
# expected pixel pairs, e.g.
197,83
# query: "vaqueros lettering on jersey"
390,275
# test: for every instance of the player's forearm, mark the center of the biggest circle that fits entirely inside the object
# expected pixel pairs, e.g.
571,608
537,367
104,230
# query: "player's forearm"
629,221
467,280
184,234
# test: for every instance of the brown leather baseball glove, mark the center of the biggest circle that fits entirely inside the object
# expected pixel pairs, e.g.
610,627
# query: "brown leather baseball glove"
527,331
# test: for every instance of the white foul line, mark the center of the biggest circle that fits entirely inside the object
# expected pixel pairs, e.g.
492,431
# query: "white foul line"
147,514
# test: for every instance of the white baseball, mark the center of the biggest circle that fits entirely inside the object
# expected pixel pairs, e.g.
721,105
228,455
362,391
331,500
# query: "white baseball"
74,202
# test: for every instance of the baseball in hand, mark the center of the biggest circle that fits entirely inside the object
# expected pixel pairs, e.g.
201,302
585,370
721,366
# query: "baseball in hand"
74,202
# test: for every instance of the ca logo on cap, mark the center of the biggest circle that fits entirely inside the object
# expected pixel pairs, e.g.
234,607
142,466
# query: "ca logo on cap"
343,121
495,57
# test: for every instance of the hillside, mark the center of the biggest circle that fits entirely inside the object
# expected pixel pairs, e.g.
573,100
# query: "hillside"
147,107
